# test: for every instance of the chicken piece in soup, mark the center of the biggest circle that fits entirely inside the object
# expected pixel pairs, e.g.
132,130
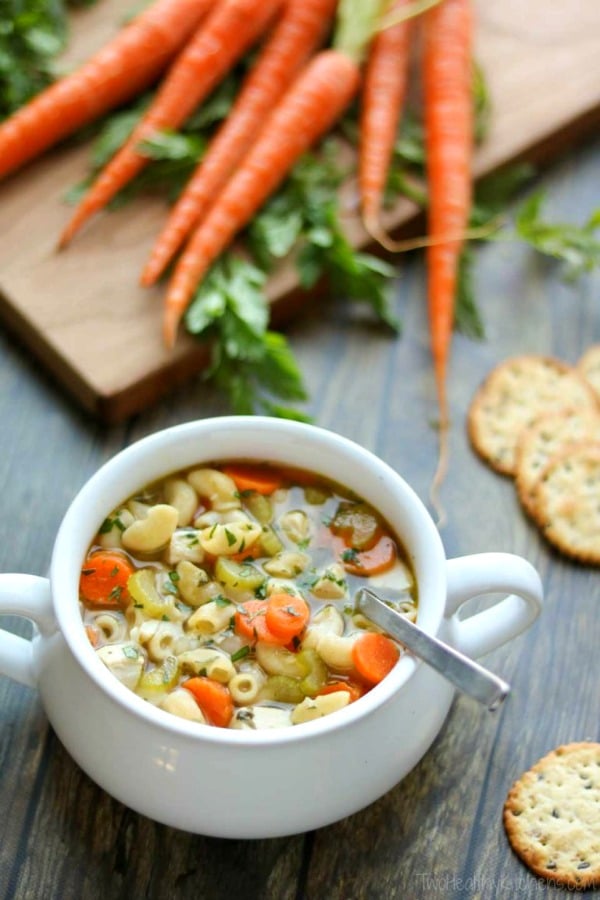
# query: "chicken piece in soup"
223,594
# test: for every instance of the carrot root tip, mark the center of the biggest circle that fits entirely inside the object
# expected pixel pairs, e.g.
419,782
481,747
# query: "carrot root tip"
440,475
375,230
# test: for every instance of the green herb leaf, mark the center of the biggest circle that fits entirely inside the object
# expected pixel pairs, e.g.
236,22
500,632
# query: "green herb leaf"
173,145
494,193
575,246
466,314
240,654
32,34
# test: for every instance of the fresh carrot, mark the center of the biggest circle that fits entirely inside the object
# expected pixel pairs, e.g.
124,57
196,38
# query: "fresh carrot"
353,689
123,68
286,615
374,655
103,580
447,89
308,109
384,89
296,35
378,558
213,698
229,30
93,635
251,623
262,479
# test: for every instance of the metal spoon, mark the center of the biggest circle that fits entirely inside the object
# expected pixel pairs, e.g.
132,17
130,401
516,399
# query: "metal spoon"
465,674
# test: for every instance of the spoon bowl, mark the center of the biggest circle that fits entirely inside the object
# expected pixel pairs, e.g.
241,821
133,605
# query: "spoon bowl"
463,672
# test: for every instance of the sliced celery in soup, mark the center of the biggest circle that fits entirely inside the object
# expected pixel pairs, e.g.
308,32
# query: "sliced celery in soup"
224,594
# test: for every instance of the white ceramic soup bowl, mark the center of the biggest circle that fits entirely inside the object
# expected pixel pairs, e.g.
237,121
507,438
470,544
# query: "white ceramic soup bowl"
253,784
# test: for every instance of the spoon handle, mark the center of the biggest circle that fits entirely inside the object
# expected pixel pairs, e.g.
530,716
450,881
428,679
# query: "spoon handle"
463,672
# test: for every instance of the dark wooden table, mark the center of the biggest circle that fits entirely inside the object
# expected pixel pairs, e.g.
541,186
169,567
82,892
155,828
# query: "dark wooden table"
439,833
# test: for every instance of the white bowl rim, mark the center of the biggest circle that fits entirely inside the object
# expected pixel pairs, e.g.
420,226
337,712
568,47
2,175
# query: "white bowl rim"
63,578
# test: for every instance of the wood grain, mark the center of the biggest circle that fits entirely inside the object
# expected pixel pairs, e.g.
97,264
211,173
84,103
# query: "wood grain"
438,834
82,313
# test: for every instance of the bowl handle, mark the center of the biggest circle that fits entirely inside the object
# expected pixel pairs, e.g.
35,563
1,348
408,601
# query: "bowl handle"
27,596
484,573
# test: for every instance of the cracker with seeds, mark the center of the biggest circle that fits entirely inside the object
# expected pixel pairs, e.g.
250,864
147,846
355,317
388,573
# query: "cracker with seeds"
511,397
549,434
565,501
589,366
552,816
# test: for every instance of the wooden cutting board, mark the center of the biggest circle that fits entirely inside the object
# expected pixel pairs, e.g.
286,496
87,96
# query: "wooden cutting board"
82,312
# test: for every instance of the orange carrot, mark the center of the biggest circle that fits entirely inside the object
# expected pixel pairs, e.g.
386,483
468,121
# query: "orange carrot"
308,109
262,479
378,558
447,77
214,699
374,655
385,81
103,580
123,68
286,616
93,635
300,29
251,623
228,32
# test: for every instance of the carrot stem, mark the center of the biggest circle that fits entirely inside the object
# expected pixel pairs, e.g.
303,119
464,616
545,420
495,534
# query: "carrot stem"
412,10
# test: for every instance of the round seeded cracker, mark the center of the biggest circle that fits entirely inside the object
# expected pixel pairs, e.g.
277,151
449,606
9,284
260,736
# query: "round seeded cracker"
566,501
552,815
589,366
513,395
548,435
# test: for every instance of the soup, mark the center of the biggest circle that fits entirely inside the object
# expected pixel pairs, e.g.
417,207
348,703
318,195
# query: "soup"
224,594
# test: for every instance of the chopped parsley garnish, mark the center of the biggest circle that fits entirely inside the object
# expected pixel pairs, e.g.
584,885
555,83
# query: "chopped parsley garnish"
220,600
350,555
240,654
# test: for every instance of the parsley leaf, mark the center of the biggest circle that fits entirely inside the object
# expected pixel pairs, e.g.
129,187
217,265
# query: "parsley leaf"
240,654
253,365
32,34
575,246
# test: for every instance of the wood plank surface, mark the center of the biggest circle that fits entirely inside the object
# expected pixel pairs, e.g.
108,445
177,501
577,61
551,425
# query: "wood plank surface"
438,834
82,313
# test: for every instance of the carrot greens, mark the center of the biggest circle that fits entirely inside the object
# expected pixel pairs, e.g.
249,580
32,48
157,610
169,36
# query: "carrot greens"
31,36
576,246
250,362
252,365
303,222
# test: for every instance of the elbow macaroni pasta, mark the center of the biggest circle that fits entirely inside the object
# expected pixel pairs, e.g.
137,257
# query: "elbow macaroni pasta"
220,562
